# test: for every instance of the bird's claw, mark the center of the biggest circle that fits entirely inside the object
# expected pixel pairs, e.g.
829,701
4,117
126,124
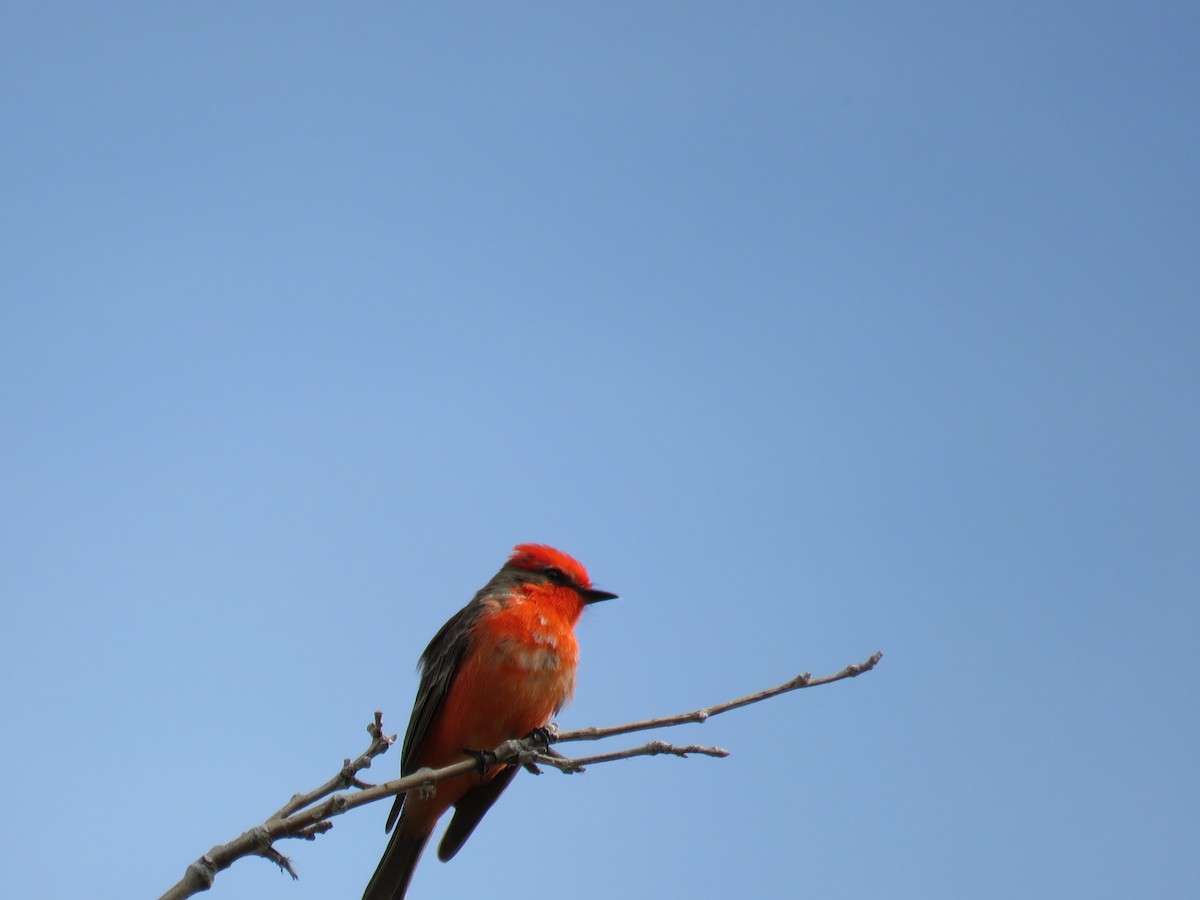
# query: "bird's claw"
484,759
542,735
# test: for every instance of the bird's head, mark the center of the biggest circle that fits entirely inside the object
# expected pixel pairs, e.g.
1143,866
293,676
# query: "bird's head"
539,564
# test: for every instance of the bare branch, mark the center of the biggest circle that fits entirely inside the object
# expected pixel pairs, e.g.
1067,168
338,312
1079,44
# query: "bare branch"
280,860
300,818
310,833
570,765
347,777
804,680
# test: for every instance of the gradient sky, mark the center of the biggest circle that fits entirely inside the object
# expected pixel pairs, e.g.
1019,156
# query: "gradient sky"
811,329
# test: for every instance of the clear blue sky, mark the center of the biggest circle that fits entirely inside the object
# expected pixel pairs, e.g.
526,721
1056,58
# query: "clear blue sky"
811,329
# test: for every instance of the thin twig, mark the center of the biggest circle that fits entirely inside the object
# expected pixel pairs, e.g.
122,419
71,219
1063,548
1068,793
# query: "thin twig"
346,777
311,832
804,680
280,860
571,765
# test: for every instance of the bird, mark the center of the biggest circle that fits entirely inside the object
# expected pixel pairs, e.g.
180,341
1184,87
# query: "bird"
499,668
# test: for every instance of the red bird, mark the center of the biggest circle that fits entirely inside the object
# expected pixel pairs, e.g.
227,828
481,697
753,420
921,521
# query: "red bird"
499,669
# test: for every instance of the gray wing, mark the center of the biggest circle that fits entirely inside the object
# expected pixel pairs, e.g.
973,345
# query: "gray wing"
439,665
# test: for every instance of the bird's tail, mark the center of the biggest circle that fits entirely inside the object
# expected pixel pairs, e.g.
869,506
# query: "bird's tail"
395,870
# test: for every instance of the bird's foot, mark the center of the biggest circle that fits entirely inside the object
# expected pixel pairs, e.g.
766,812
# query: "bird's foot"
541,736
484,759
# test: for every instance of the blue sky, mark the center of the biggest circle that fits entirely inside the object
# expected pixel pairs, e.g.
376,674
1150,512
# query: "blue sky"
810,329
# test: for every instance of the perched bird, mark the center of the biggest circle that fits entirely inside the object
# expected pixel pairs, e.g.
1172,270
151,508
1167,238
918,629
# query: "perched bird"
499,669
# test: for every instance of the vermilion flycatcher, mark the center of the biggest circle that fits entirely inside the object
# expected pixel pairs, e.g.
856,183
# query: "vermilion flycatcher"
499,669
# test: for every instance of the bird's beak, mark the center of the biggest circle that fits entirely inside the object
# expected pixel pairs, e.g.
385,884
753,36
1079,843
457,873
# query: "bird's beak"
593,596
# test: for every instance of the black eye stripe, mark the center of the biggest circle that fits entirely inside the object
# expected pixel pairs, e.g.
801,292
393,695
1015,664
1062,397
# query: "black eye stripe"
555,574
